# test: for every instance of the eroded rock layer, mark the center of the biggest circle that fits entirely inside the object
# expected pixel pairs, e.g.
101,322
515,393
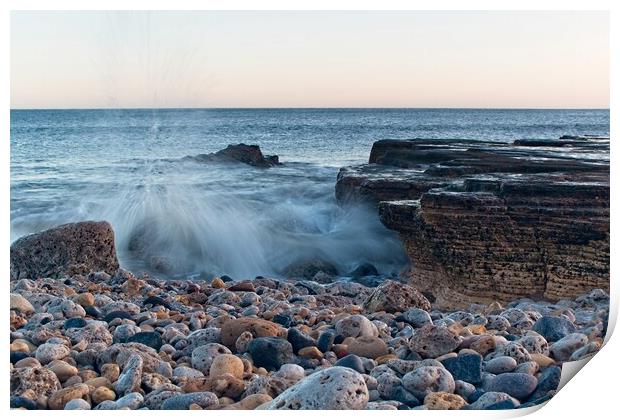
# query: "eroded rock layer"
485,221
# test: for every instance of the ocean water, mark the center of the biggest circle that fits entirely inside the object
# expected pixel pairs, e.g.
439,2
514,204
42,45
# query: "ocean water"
180,218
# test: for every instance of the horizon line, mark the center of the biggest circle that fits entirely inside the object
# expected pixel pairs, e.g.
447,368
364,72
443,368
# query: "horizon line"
311,108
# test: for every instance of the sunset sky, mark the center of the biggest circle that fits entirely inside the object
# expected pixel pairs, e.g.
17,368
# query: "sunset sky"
309,59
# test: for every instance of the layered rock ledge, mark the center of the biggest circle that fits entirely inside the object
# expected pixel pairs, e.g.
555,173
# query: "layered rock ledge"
484,221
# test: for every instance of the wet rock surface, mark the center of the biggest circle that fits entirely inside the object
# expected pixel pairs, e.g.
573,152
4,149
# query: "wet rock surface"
244,153
484,221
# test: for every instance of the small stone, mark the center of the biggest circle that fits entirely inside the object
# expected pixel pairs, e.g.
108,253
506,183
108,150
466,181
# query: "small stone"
352,361
311,352
464,389
129,380
250,402
518,385
58,400
392,296
62,369
531,368
111,371
371,347
23,402
23,359
542,360
244,286
465,367
21,304
291,372
20,345
187,372
270,352
85,299
487,399
356,326
77,404
548,380
299,340
243,341
417,317
74,323
326,340
132,401
50,351
514,350
98,382
231,330
554,328
148,338
427,379
203,356
183,401
226,364
534,343
433,341
444,401
103,394
218,283
335,388
562,349
483,345
501,364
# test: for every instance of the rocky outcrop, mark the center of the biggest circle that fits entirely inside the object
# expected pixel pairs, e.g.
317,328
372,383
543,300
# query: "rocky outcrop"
244,153
484,221
66,250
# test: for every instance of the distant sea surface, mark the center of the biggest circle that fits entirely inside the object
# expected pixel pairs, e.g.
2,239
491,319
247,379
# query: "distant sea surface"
126,166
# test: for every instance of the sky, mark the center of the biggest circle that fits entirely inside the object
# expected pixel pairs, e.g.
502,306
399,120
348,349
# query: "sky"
102,59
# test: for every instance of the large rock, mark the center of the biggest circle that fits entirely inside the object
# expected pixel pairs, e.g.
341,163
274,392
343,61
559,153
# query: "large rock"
67,250
489,221
393,296
335,388
244,153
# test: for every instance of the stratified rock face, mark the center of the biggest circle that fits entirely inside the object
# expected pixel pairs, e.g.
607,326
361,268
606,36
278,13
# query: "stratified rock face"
244,153
67,250
484,221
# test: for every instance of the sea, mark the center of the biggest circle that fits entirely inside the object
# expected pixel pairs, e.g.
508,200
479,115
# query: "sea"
127,166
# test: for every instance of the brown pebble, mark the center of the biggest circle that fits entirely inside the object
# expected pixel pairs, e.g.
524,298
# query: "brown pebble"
85,299
382,359
99,382
62,369
227,364
59,398
102,394
371,347
218,283
28,362
111,371
444,401
311,352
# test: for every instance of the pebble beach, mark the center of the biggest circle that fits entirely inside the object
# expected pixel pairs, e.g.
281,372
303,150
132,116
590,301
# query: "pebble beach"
106,342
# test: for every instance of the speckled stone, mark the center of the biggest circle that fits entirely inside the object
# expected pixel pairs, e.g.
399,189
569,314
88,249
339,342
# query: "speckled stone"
427,379
518,385
335,388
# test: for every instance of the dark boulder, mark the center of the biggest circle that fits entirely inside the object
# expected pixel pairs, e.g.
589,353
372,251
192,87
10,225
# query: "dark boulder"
244,153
